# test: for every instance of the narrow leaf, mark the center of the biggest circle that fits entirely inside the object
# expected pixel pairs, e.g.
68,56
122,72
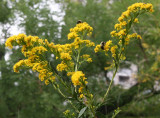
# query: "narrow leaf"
81,112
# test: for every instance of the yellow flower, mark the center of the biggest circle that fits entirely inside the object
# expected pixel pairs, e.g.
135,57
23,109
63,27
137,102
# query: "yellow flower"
9,41
32,46
65,56
122,57
113,33
66,112
20,38
113,50
125,20
122,32
18,65
81,95
86,57
91,95
136,20
35,67
80,90
23,49
127,40
89,60
52,79
76,77
139,37
70,73
38,50
72,35
107,68
124,23
107,45
47,82
120,19
117,26
97,49
81,27
62,66
126,14
42,76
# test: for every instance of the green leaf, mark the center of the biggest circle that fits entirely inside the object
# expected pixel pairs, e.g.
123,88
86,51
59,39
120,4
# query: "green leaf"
81,112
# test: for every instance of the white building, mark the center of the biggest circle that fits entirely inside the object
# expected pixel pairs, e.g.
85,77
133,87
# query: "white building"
126,77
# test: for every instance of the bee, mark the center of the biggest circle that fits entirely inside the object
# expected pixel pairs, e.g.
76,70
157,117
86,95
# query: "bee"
79,21
102,44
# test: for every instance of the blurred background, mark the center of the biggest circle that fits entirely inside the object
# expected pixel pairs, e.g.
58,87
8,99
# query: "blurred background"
136,89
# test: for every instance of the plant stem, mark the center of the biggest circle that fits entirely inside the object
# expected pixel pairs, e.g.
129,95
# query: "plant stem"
66,98
77,62
109,85
60,79
59,90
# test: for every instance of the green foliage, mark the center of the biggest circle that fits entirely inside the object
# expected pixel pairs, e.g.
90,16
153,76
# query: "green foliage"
4,11
37,21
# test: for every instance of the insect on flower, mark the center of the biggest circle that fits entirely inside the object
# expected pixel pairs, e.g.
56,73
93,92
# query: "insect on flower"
102,44
79,21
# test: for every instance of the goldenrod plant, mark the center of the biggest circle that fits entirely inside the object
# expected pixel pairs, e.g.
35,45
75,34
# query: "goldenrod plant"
71,58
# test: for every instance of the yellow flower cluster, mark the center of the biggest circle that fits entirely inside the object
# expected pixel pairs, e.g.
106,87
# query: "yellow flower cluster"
113,50
106,46
23,40
78,78
14,39
65,56
80,28
65,52
17,65
62,66
37,50
80,89
129,36
127,18
78,33
122,28
79,43
141,6
66,112
33,48
97,48
86,57
81,96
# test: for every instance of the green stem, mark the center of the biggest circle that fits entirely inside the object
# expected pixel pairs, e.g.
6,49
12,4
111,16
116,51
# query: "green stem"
93,111
60,79
77,62
59,91
66,98
105,96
